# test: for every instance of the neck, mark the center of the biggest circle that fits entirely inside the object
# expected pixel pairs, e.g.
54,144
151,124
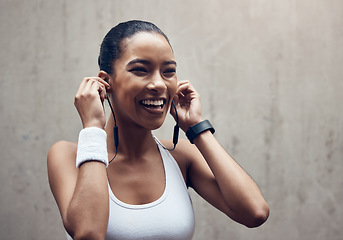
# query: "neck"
134,141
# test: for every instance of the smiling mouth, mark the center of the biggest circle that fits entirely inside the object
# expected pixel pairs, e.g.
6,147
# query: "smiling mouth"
153,103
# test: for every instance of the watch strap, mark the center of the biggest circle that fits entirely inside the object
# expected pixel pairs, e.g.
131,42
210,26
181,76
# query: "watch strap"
198,128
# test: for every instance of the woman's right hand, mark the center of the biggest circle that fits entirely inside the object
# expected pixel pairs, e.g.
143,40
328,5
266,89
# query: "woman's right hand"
89,102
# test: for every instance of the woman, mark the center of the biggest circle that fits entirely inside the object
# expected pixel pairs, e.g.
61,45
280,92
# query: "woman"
142,192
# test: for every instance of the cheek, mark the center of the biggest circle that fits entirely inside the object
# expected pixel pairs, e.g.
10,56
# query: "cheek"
172,87
128,93
125,93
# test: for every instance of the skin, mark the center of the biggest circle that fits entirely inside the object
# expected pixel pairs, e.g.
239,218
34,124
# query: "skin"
146,70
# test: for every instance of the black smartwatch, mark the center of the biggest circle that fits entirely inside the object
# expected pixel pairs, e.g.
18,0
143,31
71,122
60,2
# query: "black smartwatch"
198,128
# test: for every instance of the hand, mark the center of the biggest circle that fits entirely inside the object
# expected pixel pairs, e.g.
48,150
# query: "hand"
89,102
187,101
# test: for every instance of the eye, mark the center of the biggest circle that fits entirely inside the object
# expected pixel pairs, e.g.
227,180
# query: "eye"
139,71
170,72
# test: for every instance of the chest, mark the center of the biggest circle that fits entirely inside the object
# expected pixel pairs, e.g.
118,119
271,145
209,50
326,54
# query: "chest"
169,216
138,183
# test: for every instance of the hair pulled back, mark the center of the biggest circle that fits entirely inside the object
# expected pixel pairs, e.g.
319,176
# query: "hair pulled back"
111,49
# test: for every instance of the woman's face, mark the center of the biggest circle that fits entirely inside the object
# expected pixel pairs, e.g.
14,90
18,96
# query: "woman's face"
144,80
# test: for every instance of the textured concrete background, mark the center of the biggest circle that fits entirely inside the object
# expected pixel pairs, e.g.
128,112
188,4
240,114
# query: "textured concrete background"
270,77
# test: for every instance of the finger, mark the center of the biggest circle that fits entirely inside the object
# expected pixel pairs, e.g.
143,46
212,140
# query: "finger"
104,82
91,85
95,81
99,88
82,86
185,87
104,87
184,82
102,92
185,93
88,81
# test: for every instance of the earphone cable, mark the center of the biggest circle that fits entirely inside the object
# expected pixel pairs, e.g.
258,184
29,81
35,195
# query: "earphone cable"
115,130
176,131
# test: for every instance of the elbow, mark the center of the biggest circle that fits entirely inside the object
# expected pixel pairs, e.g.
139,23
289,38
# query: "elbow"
258,217
84,224
85,230
88,234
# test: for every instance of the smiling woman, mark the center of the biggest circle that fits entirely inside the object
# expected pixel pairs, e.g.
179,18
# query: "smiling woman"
143,193
145,72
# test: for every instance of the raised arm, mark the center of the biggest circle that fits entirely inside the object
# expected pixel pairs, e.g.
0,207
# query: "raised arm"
212,172
82,193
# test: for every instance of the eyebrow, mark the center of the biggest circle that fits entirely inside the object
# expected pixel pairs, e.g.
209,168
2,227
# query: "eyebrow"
147,62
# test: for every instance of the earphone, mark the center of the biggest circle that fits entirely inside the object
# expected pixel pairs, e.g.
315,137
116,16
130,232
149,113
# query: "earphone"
176,129
115,130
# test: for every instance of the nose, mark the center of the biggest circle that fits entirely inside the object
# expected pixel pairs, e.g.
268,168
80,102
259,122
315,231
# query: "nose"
157,84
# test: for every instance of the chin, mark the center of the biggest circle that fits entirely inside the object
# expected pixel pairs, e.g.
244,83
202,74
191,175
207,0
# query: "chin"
154,125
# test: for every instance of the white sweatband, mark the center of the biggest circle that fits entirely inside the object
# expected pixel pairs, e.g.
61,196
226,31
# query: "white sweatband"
92,146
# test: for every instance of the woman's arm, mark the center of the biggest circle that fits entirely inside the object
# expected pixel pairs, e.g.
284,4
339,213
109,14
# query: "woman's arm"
212,172
82,193
244,201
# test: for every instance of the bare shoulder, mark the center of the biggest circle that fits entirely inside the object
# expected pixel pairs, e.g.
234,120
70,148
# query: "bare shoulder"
60,145
184,150
185,154
193,165
61,159
62,152
62,173
61,162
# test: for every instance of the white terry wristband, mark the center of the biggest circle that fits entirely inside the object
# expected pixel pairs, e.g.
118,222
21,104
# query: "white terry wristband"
92,146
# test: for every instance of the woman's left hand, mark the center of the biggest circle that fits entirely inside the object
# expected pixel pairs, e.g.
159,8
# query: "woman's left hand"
187,101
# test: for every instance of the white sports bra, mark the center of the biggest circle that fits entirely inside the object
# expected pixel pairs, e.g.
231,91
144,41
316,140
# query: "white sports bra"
169,217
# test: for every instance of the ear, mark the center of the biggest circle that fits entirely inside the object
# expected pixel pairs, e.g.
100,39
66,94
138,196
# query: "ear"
104,75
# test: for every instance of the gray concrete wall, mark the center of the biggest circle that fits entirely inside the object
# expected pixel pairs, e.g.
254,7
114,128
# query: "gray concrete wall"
270,77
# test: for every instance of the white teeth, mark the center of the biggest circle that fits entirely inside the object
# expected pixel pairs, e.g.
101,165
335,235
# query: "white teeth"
153,102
